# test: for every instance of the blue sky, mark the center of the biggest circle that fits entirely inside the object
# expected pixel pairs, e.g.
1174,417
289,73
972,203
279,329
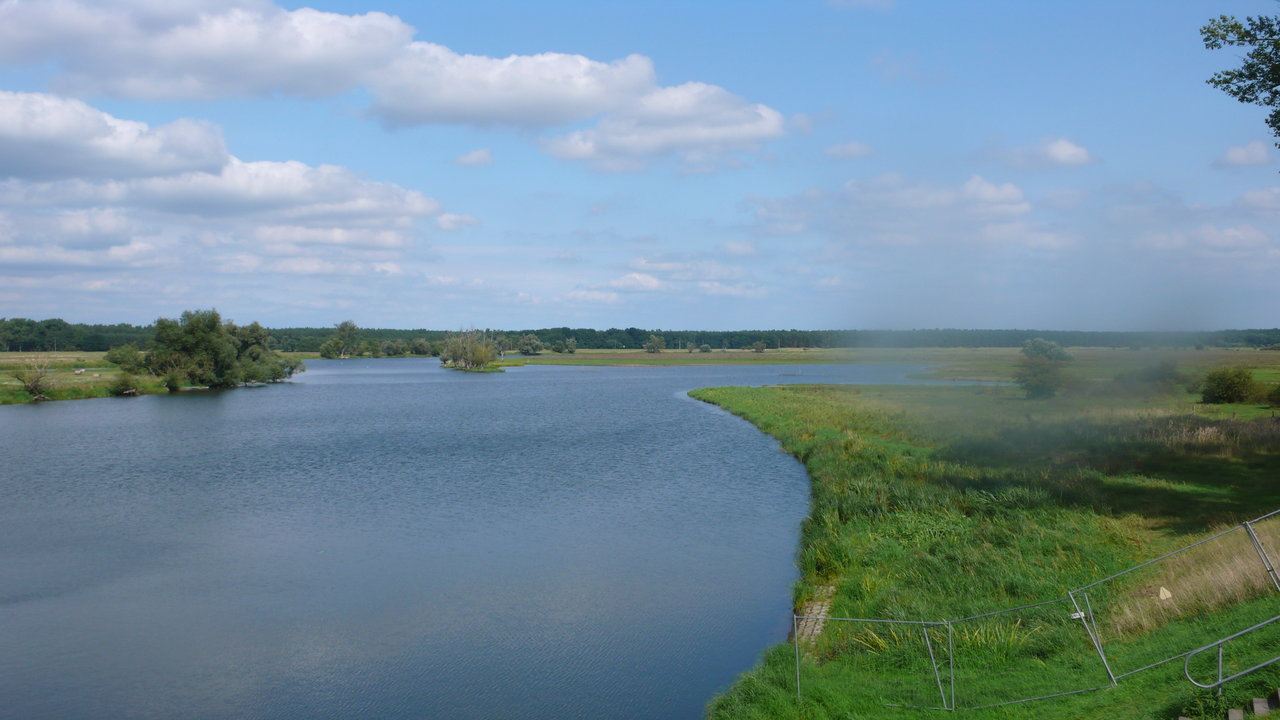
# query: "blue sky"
716,165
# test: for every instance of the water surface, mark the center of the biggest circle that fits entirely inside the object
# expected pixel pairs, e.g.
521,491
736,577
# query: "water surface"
384,538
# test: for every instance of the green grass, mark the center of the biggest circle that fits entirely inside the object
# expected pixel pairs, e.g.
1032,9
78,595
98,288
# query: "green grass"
935,503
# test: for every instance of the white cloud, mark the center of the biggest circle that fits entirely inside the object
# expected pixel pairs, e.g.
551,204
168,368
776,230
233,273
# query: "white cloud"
636,282
1262,199
592,297
200,50
988,198
451,221
46,137
1254,153
849,150
204,49
171,196
476,158
1050,152
352,237
430,83
1061,151
693,120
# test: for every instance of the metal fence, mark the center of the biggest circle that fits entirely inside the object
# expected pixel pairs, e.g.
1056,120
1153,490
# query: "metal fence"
1214,605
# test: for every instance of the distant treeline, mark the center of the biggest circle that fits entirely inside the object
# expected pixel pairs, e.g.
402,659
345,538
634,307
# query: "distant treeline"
20,334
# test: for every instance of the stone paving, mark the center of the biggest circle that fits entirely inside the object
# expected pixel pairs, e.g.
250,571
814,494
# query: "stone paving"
814,616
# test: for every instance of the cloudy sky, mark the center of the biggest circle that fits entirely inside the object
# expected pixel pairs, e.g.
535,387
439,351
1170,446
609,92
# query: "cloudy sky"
660,164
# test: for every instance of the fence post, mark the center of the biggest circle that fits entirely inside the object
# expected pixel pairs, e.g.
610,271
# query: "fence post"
795,636
951,658
1262,553
1086,618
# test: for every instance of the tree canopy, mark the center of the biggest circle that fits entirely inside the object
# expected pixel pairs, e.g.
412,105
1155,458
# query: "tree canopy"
1257,80
200,349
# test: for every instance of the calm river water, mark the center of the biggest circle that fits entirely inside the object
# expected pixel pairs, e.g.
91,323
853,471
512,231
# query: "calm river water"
388,539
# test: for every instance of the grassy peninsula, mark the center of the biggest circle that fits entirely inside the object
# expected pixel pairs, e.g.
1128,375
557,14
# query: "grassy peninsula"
935,503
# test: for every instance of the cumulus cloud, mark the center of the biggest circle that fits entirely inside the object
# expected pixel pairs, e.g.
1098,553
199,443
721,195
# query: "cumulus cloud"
203,49
1050,152
476,158
89,190
849,150
430,83
44,137
690,119
200,50
1254,153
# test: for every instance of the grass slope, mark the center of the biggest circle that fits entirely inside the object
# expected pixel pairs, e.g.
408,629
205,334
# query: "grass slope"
937,503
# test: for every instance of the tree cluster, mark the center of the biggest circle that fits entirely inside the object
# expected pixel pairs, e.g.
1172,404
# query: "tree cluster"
200,349
468,350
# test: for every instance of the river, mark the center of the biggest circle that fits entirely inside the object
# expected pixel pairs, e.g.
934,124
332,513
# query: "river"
389,539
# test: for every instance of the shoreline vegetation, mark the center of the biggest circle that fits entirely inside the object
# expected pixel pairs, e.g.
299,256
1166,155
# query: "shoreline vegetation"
935,502
81,374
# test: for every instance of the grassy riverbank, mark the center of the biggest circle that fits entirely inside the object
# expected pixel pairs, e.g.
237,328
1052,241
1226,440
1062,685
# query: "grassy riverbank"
95,379
937,503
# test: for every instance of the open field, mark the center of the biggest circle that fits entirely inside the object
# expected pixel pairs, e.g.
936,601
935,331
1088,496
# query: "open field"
936,503
680,357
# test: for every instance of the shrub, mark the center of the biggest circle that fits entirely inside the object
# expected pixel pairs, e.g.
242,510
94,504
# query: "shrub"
1228,385
126,384
125,356
704,348
174,380
1273,397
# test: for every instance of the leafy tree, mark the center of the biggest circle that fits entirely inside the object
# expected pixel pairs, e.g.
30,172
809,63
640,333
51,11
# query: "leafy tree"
571,345
344,342
1039,371
1228,385
758,346
655,344
529,345
1257,80
127,357
1047,349
421,346
704,348
557,347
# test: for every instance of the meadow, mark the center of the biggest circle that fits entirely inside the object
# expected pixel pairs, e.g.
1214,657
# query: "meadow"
935,503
